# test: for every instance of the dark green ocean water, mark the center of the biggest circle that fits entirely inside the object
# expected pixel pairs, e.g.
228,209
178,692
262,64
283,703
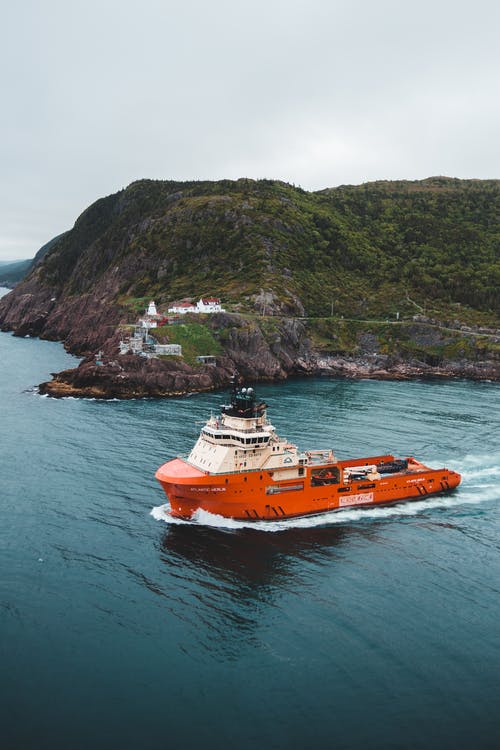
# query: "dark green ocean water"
366,629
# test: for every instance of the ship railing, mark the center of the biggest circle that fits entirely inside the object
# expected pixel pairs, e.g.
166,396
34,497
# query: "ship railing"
319,457
247,470
222,428
310,457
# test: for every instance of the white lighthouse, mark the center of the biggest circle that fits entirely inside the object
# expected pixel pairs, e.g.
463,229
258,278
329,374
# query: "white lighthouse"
152,308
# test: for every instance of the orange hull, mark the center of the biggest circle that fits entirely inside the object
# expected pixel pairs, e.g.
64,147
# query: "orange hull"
256,495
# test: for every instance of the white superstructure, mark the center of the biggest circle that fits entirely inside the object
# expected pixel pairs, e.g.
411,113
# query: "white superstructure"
241,439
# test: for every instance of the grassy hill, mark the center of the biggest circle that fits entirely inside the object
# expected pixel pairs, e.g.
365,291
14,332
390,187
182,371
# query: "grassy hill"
364,251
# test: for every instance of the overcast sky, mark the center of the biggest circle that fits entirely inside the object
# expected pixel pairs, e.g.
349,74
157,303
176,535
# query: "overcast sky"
98,93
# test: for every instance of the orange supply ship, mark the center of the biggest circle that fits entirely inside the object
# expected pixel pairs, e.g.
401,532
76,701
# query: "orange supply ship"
240,468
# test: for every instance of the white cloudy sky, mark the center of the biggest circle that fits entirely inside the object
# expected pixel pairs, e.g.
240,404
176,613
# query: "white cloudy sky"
98,93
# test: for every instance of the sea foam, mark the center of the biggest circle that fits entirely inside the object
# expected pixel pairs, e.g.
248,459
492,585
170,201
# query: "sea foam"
471,491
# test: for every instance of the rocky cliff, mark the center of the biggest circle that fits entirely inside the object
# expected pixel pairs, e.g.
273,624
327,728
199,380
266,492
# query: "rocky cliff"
293,267
287,350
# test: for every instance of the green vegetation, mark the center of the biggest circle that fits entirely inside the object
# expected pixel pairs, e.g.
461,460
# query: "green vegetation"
430,343
195,339
364,252
134,305
438,238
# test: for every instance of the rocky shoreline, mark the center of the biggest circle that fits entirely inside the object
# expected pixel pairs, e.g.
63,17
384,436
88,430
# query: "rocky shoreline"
318,284
134,377
130,377
260,349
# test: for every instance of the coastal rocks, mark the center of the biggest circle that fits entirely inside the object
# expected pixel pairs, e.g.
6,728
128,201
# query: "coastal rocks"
251,354
259,348
368,343
273,354
135,377
84,322
26,309
263,350
385,367
130,376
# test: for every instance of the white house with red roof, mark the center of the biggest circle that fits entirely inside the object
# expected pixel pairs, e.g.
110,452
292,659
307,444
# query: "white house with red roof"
182,308
204,305
209,305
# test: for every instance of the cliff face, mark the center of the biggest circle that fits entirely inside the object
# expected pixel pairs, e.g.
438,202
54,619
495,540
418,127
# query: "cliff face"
257,353
274,253
277,349
85,322
135,377
247,351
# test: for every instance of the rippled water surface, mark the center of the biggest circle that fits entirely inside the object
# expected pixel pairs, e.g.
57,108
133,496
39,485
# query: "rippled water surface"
365,629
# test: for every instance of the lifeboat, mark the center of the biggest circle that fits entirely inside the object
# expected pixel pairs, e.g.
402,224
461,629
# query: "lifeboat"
240,468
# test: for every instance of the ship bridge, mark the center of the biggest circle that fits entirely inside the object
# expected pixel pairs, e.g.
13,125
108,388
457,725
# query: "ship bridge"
226,435
241,439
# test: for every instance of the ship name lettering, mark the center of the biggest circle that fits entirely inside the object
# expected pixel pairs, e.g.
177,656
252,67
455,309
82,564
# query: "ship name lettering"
207,489
366,497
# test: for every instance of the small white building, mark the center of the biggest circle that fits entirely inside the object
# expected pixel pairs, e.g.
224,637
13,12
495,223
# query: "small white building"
171,349
181,308
142,343
151,318
133,345
204,305
209,305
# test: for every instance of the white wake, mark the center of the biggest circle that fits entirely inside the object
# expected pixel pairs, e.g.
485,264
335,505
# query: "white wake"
480,484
